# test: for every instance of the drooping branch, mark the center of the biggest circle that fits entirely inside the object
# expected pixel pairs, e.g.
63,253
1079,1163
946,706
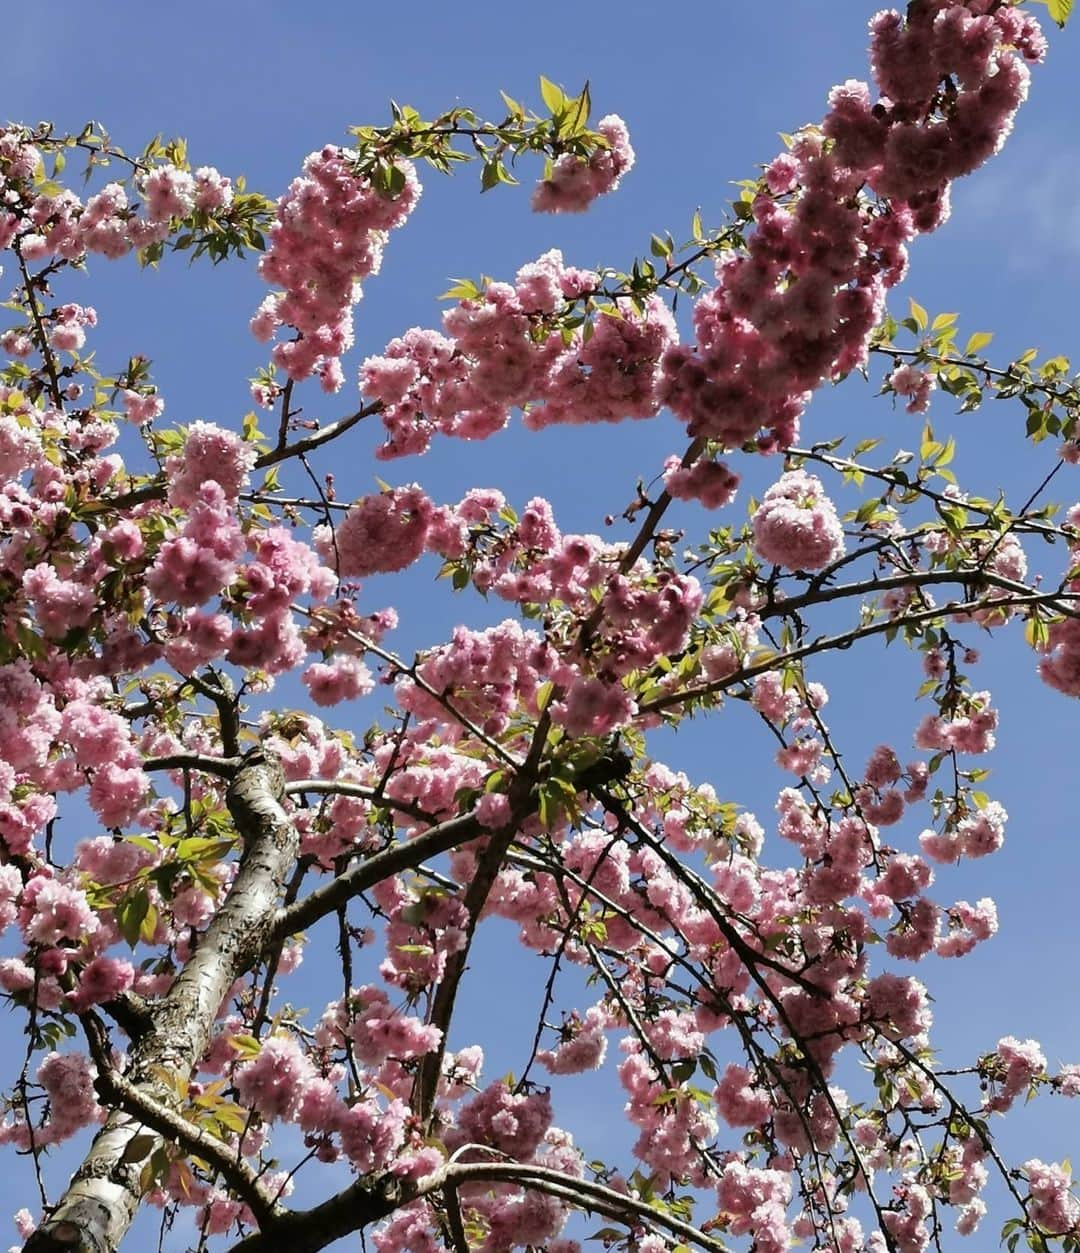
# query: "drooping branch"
487,869
368,1200
907,580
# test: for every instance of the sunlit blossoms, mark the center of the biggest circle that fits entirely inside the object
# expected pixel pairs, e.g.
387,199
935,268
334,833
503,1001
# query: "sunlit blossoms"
329,235
574,183
796,524
273,731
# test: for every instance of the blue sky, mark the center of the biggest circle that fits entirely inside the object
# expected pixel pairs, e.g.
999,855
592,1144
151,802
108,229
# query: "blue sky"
254,87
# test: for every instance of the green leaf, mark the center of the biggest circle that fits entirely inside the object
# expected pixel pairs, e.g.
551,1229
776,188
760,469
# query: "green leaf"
979,340
139,1147
1037,633
198,847
490,177
554,96
578,113
247,1045
130,915
1060,10
918,314
463,289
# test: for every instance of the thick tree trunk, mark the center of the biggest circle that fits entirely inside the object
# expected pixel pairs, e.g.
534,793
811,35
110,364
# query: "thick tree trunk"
105,1192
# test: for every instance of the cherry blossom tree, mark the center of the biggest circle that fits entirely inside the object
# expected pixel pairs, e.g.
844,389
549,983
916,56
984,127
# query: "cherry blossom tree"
749,978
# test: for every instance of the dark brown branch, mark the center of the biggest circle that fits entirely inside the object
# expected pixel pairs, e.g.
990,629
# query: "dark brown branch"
402,856
223,767
370,1199
846,638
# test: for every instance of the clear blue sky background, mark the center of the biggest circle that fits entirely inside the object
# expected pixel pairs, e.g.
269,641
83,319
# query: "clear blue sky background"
254,87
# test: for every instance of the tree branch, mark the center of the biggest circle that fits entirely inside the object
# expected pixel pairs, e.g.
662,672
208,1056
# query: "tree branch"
116,1088
401,856
368,1200
846,638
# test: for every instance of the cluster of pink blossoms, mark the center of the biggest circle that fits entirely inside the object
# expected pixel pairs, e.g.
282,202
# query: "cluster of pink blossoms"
505,350
798,308
796,524
575,182
797,305
707,481
376,1131
210,454
1053,1208
582,1045
380,534
969,730
49,224
915,384
1060,667
331,227
68,1082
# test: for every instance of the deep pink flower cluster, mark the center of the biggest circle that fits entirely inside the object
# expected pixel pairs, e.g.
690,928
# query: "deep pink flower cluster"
381,533
491,675
343,678
513,1123
282,569
912,162
709,481
210,454
51,911
329,235
198,563
101,741
102,980
880,800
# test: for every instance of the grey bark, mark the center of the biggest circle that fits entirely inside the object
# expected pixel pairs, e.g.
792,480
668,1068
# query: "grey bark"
105,1192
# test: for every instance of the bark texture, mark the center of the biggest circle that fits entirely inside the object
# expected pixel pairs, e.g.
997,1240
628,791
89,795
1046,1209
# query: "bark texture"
105,1192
